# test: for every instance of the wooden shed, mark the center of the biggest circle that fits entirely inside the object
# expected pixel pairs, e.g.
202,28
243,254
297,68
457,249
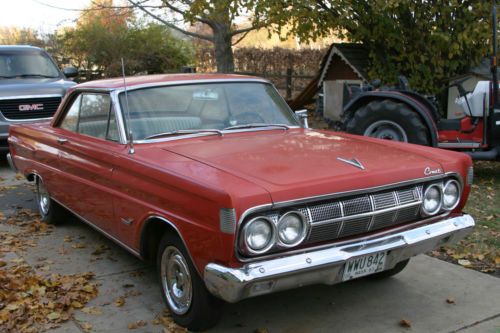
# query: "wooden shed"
343,64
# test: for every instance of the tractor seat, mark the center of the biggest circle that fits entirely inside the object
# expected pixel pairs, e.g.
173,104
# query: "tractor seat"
449,124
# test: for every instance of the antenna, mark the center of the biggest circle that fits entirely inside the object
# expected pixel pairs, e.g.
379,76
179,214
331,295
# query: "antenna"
130,136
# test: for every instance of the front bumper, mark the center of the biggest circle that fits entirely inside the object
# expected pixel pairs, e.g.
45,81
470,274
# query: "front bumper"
326,265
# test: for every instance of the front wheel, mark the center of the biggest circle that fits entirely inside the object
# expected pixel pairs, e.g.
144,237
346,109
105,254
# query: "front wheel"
190,303
389,120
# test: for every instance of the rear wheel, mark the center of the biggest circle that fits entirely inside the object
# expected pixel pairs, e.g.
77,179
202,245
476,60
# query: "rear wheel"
190,303
389,120
50,211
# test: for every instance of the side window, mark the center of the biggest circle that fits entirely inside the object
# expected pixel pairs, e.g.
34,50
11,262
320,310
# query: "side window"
70,121
94,117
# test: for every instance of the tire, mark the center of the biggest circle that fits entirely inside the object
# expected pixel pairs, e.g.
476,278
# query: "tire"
386,119
190,303
390,272
50,211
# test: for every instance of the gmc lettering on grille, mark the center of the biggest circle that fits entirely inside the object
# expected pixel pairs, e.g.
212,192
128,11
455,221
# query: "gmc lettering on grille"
30,107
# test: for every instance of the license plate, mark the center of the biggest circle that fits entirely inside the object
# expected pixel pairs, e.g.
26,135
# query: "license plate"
366,265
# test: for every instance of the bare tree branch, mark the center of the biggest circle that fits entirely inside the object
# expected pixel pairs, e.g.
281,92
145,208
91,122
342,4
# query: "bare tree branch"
170,25
179,11
241,38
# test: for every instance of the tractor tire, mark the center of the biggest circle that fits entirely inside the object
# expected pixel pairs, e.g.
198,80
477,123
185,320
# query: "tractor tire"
389,120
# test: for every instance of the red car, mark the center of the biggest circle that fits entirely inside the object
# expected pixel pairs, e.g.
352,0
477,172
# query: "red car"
218,182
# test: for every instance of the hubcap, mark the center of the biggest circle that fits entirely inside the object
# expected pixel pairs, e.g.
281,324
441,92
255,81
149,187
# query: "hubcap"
386,129
43,198
176,280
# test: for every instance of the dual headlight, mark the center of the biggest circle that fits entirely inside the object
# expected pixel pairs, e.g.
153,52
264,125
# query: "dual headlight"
441,196
261,234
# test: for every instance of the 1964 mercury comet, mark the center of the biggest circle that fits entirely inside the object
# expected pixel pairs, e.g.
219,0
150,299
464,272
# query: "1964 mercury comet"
214,179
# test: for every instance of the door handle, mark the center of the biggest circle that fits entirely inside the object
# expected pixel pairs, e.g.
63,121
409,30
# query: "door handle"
62,140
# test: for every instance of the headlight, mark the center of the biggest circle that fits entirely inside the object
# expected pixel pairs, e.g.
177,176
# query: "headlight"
432,199
292,229
451,194
259,235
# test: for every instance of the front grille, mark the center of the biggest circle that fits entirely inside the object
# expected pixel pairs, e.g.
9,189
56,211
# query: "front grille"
364,213
29,108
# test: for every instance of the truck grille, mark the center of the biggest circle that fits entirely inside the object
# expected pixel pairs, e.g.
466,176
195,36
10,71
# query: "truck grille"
29,108
361,214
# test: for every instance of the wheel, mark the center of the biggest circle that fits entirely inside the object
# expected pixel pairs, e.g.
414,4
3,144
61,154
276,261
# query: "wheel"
390,272
190,303
50,211
386,119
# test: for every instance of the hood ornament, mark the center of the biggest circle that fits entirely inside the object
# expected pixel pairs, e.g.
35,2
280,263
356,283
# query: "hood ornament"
353,162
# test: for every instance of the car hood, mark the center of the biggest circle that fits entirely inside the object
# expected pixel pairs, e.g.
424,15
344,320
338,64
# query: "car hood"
33,86
303,163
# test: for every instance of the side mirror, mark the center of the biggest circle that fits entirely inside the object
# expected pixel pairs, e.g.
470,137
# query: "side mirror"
302,115
70,71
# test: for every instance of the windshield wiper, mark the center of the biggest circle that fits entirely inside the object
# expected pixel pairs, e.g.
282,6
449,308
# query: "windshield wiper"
181,132
254,125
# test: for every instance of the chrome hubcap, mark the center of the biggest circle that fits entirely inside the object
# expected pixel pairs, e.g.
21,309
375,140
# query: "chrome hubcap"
176,280
386,129
43,198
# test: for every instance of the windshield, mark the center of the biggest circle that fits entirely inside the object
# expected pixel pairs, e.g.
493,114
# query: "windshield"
157,110
15,64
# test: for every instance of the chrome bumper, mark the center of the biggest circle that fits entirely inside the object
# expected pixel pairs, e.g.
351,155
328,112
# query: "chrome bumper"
326,265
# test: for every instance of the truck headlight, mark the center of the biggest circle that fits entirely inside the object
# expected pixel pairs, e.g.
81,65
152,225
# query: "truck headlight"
259,235
292,229
451,194
432,199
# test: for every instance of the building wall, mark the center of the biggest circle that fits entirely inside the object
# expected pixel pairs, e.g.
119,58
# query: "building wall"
339,70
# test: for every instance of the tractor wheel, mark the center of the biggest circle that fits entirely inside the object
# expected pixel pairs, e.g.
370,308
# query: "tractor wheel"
386,119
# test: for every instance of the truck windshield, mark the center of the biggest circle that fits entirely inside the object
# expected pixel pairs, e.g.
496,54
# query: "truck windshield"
166,110
15,64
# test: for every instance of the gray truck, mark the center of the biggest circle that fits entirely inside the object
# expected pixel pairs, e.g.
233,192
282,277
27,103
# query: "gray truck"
31,86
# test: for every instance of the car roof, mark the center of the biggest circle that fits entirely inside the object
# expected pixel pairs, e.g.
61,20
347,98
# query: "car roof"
19,48
146,80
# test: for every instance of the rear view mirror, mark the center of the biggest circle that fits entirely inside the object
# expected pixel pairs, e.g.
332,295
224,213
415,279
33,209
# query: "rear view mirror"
302,115
70,71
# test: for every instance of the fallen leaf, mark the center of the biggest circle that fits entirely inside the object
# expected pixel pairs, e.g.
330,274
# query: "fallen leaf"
120,301
405,323
79,246
53,316
93,310
464,262
76,305
137,324
450,300
86,327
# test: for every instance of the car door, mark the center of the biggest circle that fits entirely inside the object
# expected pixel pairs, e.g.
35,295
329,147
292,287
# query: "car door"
87,148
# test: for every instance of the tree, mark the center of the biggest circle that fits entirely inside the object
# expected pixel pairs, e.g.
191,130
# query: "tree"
221,16
428,41
104,34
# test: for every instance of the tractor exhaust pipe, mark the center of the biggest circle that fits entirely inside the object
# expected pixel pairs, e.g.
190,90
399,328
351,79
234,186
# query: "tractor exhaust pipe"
488,155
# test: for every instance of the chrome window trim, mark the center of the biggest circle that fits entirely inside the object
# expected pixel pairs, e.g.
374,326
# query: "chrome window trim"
289,203
120,122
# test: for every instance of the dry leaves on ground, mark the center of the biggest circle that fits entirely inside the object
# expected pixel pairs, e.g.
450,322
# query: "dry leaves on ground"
405,323
30,303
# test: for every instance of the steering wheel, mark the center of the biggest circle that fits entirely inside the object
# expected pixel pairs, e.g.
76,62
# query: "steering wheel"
248,117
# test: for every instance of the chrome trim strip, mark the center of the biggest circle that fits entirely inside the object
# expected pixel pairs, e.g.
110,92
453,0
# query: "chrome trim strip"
151,217
31,96
25,120
374,210
459,145
119,117
326,265
116,240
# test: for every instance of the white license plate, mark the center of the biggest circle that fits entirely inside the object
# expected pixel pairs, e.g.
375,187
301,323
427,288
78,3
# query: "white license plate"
366,265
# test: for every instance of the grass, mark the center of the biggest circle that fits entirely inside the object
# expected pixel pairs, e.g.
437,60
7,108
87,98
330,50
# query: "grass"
481,249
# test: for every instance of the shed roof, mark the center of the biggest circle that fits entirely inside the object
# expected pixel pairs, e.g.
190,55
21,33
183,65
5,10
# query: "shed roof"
354,55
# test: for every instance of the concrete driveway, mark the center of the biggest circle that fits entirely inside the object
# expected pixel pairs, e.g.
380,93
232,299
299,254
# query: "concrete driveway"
417,295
